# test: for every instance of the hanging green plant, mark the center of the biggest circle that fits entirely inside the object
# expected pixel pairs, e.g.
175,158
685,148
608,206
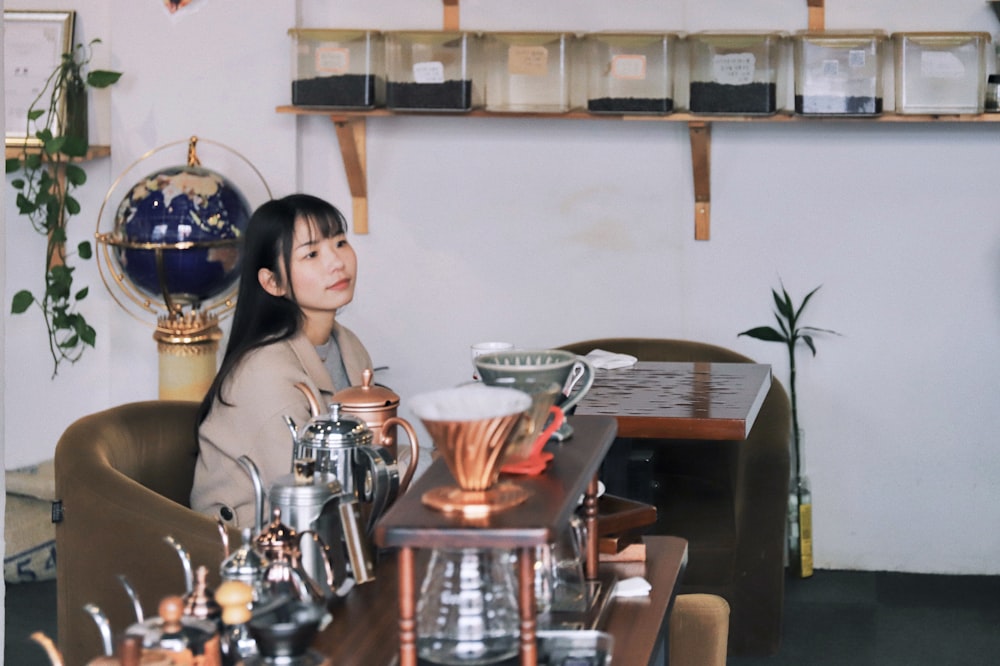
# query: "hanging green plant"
45,178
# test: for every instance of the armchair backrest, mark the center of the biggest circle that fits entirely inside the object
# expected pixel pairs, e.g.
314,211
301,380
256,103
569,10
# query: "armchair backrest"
123,477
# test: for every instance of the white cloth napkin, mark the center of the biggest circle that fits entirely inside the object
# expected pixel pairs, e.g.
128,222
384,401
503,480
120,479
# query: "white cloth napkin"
606,360
637,586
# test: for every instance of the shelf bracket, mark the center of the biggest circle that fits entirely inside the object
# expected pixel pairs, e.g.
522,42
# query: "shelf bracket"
701,169
351,136
450,14
817,15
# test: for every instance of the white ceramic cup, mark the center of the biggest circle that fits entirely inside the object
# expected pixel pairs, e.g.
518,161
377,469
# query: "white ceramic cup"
484,348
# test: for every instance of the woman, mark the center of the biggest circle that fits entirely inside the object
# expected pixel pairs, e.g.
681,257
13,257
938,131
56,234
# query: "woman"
298,272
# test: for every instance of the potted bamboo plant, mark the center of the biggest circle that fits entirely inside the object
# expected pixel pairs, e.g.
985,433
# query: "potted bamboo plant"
45,177
791,333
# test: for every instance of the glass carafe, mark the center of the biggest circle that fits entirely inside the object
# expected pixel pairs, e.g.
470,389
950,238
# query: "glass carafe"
467,612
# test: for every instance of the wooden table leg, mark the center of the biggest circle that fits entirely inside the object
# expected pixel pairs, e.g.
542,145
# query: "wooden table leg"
590,520
407,609
526,605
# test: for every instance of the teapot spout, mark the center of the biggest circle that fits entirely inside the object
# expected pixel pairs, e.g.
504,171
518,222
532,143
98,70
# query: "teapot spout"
258,491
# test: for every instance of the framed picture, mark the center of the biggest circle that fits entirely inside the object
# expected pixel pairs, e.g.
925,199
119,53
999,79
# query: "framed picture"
33,45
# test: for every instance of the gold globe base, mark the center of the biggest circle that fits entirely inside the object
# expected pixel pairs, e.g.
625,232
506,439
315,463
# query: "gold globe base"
188,345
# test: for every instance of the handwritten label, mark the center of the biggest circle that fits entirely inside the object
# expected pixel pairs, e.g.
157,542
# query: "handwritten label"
528,60
632,67
332,60
941,65
428,72
831,68
734,68
856,58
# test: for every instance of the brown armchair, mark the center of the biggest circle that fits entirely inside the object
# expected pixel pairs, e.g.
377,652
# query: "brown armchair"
728,499
123,477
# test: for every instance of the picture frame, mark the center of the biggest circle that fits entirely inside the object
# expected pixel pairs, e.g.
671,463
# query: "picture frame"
34,43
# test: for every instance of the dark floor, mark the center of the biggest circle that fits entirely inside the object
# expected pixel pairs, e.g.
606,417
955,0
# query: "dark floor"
834,618
888,619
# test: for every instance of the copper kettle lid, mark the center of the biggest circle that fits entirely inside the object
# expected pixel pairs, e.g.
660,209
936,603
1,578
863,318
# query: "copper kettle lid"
368,396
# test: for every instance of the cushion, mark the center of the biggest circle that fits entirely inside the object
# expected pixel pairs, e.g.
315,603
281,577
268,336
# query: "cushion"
28,531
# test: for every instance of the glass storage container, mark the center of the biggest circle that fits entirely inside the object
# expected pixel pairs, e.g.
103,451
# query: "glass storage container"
528,72
433,71
339,68
734,72
940,72
839,73
629,72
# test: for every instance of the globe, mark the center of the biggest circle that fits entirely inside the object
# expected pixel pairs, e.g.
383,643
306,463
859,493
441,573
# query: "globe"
193,218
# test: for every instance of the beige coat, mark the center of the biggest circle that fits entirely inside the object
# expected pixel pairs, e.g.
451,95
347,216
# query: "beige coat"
260,392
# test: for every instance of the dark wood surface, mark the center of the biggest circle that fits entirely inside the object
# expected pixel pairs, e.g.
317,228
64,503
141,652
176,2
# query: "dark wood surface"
364,631
662,400
553,496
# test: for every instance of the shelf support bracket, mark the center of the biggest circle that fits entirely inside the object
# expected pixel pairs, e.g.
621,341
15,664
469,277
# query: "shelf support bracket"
817,15
351,136
701,144
450,15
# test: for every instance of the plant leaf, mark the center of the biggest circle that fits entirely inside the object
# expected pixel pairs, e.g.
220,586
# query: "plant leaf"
74,146
87,333
22,301
13,165
75,175
72,205
802,306
82,294
809,341
764,333
102,78
85,250
35,114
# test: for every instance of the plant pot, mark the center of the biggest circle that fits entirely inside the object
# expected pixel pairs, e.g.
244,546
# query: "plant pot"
800,553
76,118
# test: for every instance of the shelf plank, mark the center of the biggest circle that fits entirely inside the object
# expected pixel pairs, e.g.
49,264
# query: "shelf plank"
93,153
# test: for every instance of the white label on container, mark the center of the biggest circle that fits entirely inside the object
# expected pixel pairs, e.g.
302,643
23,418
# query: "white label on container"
528,60
332,60
428,72
941,65
856,58
831,68
631,67
734,68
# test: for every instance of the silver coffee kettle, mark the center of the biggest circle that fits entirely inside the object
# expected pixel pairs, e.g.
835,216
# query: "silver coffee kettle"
317,508
339,446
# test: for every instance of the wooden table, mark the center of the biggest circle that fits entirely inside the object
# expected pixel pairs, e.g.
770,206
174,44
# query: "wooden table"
662,400
364,631
375,624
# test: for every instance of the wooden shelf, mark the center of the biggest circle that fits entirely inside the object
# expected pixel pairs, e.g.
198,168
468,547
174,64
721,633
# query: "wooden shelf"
93,153
350,126
351,133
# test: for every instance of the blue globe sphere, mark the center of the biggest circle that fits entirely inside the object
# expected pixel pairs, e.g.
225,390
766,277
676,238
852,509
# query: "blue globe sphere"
193,217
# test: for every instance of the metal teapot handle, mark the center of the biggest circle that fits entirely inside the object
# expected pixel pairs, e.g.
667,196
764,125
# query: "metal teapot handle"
404,482
330,579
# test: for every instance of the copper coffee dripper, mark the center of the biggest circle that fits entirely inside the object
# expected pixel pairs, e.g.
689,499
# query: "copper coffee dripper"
472,426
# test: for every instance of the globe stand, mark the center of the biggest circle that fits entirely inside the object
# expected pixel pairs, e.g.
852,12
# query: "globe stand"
174,252
188,345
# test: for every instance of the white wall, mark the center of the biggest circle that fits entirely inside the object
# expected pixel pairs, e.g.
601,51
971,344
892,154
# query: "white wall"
545,232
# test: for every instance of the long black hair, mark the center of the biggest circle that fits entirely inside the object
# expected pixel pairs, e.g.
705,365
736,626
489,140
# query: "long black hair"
260,317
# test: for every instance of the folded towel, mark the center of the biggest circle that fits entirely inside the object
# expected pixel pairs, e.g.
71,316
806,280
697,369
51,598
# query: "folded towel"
637,586
606,360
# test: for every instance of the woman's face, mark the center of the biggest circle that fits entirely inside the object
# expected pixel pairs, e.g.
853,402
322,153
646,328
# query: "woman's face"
322,270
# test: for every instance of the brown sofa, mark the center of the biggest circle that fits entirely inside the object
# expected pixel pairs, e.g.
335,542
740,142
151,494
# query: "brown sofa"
123,477
728,499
